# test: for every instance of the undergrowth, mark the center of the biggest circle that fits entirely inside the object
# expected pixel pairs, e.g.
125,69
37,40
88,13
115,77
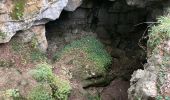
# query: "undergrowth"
40,92
18,9
61,88
11,94
160,32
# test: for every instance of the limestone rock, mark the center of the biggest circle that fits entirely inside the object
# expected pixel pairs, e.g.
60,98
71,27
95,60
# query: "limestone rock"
39,32
33,12
73,4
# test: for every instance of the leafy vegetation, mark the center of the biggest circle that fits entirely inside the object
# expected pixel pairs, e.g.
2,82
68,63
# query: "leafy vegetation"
40,92
12,93
43,73
92,49
18,9
160,32
61,88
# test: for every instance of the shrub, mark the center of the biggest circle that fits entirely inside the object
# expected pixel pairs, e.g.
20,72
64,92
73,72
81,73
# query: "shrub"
61,88
11,93
18,9
43,73
40,92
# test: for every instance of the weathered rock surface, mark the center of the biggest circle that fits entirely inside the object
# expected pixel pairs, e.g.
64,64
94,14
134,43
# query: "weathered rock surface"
19,15
73,4
153,81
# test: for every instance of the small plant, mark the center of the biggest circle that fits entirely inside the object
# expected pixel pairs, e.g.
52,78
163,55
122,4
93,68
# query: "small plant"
61,88
14,93
40,92
18,9
43,73
159,32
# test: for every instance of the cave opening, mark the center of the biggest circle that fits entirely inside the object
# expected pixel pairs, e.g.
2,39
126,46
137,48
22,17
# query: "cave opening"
119,27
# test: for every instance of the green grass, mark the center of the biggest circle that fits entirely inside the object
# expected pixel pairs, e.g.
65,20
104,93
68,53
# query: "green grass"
93,49
18,9
43,73
61,88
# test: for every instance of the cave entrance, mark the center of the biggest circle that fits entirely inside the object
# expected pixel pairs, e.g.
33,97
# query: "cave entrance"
119,27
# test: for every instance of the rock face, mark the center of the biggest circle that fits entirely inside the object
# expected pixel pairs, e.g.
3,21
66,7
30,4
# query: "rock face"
73,4
153,81
19,15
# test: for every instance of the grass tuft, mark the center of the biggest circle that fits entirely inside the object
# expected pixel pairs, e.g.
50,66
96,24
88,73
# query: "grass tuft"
18,9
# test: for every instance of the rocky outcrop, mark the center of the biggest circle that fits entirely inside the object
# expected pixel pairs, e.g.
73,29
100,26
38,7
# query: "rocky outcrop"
153,81
73,4
19,15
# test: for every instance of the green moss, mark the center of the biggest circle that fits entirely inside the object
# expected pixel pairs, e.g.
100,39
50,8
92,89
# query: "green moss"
18,9
61,88
40,92
159,32
92,49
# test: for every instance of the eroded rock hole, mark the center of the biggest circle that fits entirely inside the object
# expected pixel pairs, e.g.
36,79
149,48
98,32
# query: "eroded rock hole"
119,27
